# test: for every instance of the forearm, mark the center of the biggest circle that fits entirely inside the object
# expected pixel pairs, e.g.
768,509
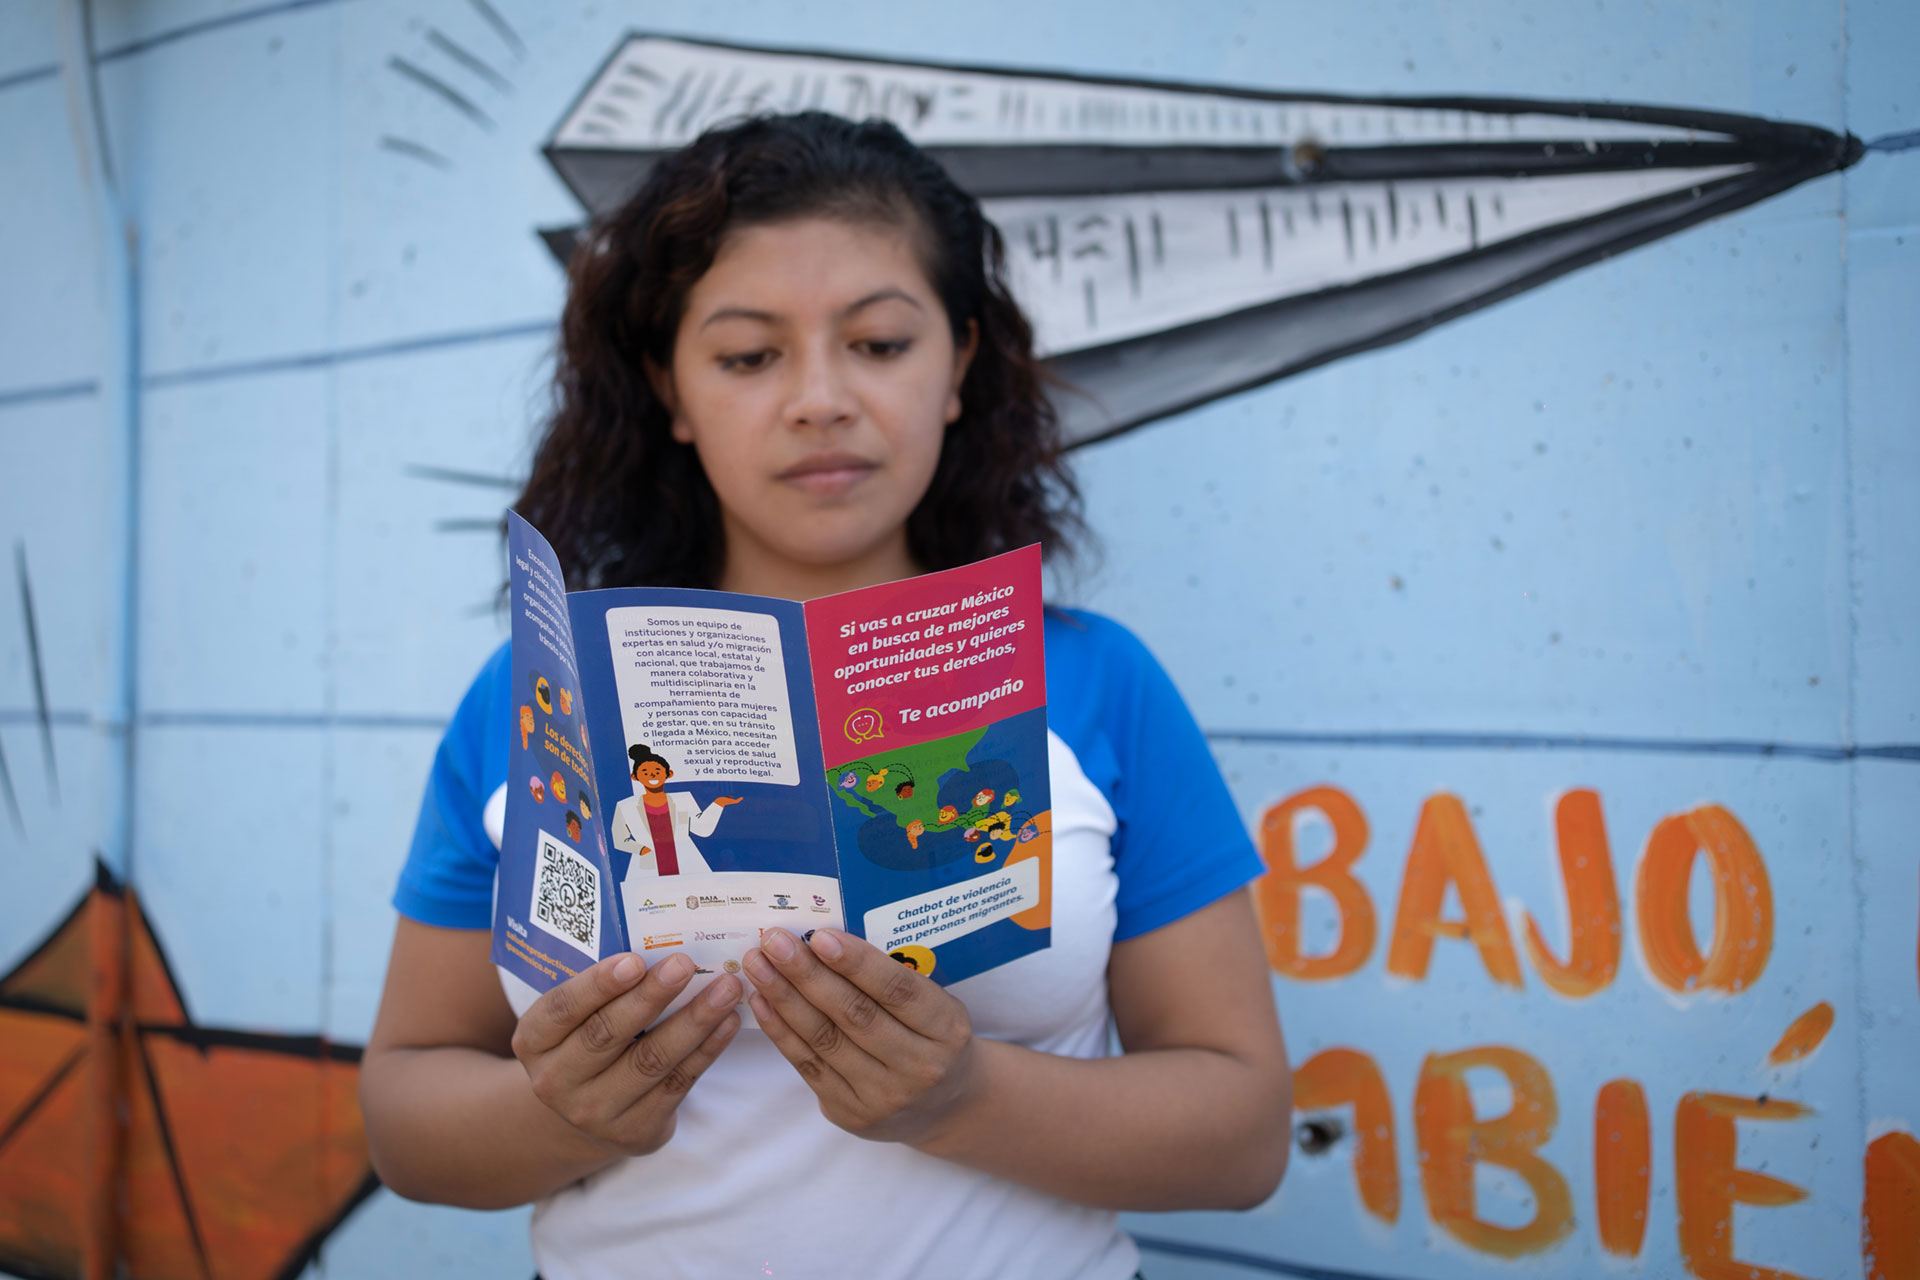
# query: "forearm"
1174,1128
460,1126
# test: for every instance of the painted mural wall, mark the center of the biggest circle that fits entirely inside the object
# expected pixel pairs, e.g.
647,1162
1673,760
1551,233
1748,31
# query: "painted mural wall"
1499,418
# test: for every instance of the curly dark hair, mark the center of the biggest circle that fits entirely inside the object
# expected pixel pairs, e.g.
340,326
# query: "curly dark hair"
624,504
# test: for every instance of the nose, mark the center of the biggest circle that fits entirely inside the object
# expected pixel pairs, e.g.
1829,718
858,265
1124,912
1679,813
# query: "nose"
820,395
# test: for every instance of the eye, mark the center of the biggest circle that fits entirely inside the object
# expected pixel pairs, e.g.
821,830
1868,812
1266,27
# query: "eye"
884,348
746,361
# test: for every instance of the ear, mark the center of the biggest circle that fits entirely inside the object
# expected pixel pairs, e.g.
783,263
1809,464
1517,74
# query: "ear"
661,380
962,361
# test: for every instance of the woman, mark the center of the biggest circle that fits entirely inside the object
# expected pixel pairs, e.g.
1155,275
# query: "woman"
790,366
655,827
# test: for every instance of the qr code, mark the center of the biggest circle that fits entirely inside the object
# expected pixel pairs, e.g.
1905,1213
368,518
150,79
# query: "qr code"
566,895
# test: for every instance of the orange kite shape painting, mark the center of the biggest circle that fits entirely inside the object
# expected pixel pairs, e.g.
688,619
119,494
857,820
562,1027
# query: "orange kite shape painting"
136,1142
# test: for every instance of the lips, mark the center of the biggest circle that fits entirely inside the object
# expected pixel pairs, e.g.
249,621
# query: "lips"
828,474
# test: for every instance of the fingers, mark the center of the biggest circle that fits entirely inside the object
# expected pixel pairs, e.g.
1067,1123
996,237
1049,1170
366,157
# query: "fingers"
600,1034
794,1047
558,1013
828,1014
914,1000
657,1069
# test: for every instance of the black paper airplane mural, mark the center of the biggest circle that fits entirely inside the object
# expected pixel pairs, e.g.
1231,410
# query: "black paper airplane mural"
1176,243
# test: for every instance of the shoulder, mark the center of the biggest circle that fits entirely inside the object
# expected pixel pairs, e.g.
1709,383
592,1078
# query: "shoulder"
1120,713
448,876
1100,677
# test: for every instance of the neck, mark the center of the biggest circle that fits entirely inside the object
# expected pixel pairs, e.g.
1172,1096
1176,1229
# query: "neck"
755,569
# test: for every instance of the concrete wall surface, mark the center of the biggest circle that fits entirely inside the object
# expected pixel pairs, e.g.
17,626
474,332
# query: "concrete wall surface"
1557,634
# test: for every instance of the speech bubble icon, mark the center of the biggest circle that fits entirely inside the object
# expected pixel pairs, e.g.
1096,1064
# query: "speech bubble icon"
863,724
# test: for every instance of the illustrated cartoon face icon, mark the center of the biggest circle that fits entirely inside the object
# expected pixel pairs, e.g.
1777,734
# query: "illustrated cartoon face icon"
918,959
981,799
652,775
915,829
947,814
526,725
542,694
538,788
985,853
585,812
849,780
573,827
904,791
566,702
1012,797
558,785
1002,833
875,779
1026,832
969,835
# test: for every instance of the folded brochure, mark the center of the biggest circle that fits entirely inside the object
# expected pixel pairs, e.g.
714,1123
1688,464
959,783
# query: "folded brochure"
691,768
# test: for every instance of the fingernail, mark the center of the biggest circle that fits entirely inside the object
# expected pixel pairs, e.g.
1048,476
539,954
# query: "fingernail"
627,971
778,943
757,967
678,969
723,993
827,945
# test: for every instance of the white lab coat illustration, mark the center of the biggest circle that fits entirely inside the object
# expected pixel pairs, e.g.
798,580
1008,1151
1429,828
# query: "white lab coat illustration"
631,833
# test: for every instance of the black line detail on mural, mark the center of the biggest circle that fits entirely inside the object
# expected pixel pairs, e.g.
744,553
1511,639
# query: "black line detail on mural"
42,712
13,800
414,150
426,471
191,29
19,1118
28,76
347,355
164,1123
65,719
300,1046
468,524
53,391
1485,741
1250,1261
447,93
309,1253
468,59
501,27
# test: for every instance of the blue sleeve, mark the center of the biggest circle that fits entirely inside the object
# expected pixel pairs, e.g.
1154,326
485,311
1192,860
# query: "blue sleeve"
448,878
1180,844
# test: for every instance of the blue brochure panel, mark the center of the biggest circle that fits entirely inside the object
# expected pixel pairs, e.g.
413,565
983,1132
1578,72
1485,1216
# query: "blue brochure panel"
556,908
701,714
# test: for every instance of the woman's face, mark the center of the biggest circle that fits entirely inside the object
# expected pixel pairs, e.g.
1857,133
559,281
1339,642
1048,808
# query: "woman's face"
815,373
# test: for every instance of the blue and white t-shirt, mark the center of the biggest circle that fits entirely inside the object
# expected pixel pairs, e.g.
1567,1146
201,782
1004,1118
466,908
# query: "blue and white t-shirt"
755,1181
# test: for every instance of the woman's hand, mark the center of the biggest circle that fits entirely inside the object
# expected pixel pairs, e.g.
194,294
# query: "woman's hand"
888,1052
582,1048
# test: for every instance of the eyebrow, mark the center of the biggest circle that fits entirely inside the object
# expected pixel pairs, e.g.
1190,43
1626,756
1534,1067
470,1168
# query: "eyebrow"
890,293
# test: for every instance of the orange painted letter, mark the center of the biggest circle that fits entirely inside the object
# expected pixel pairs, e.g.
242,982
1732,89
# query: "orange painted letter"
1451,1140
1622,1165
1707,1183
1742,903
1593,902
1347,1077
1890,1225
1277,893
1445,851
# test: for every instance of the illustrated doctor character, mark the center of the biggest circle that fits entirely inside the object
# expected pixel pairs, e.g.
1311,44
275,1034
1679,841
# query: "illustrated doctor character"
655,826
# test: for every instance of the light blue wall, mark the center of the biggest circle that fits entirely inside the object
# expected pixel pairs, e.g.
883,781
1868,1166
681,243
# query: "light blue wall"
1651,529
